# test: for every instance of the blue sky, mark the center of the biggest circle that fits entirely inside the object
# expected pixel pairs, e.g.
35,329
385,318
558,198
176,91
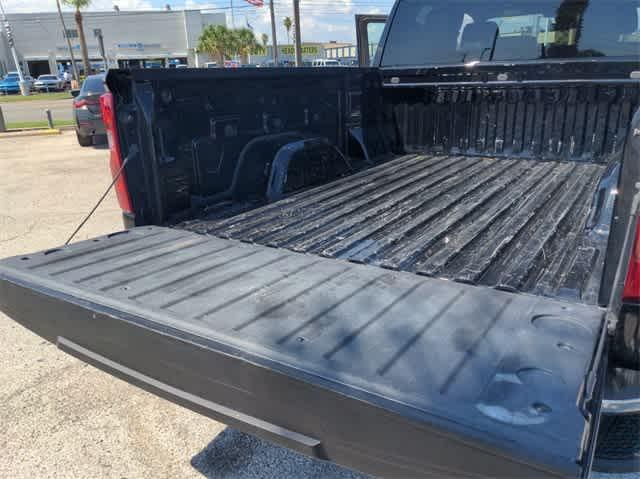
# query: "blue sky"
322,20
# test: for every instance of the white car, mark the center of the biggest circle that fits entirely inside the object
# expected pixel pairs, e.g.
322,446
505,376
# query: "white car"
48,83
325,62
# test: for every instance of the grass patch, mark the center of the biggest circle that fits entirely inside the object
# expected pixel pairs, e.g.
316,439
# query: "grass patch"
14,98
20,125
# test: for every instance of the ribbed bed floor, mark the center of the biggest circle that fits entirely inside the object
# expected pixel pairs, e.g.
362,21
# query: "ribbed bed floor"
512,224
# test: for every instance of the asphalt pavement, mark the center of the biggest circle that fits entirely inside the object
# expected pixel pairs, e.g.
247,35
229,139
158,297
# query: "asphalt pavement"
33,110
62,418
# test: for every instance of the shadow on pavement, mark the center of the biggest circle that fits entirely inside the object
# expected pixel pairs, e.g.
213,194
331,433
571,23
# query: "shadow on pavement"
235,455
100,142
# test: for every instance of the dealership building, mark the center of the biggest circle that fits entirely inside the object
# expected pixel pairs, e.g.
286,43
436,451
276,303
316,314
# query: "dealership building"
130,38
310,51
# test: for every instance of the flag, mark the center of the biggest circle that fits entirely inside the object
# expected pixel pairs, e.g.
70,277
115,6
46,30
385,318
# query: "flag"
249,26
256,3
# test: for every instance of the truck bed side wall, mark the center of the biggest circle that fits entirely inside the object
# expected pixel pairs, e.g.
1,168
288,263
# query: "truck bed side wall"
576,122
202,123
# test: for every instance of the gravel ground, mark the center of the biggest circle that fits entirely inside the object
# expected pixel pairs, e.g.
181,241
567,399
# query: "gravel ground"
62,418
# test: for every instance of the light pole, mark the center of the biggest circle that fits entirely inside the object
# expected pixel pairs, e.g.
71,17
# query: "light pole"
74,69
24,88
273,34
97,32
296,23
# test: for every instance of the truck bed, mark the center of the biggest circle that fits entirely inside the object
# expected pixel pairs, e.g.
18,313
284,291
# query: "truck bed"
384,371
513,224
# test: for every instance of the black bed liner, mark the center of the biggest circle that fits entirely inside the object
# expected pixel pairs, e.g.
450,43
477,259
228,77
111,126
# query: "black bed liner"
379,370
514,224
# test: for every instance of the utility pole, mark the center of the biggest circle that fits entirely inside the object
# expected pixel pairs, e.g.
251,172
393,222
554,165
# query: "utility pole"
97,32
24,89
74,69
296,27
273,33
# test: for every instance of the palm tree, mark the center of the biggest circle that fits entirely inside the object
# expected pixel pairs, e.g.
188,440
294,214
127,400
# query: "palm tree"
217,41
245,43
287,24
265,40
78,4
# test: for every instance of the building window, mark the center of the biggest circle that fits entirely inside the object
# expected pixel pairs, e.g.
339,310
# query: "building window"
70,33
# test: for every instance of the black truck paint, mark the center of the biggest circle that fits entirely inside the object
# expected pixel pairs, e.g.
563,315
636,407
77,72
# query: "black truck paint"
407,271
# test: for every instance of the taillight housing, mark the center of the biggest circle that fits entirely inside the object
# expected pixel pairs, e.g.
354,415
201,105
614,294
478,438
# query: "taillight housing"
83,103
115,156
632,284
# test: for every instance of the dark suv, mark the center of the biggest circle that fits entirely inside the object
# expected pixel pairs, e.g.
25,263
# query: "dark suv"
86,109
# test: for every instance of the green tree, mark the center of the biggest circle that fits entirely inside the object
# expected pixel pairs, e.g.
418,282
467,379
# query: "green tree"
288,23
265,40
218,42
245,43
79,4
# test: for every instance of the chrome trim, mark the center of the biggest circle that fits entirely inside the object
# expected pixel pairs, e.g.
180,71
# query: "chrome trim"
269,429
619,407
615,81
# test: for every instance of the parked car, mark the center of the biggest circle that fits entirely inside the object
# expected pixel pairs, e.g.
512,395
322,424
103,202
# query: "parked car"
325,62
86,109
269,63
48,83
426,268
11,83
349,62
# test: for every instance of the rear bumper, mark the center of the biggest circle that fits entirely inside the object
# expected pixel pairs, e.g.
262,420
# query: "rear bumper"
619,445
622,392
47,87
10,89
87,126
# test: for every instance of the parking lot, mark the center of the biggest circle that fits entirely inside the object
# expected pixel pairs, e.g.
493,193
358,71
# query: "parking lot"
62,418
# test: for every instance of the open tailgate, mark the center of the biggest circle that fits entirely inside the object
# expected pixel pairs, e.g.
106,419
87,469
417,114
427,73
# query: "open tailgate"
386,372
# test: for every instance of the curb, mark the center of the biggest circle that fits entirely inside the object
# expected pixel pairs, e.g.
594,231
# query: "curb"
30,132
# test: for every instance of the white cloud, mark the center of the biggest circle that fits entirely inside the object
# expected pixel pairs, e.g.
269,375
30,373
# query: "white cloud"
321,21
129,4
29,6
